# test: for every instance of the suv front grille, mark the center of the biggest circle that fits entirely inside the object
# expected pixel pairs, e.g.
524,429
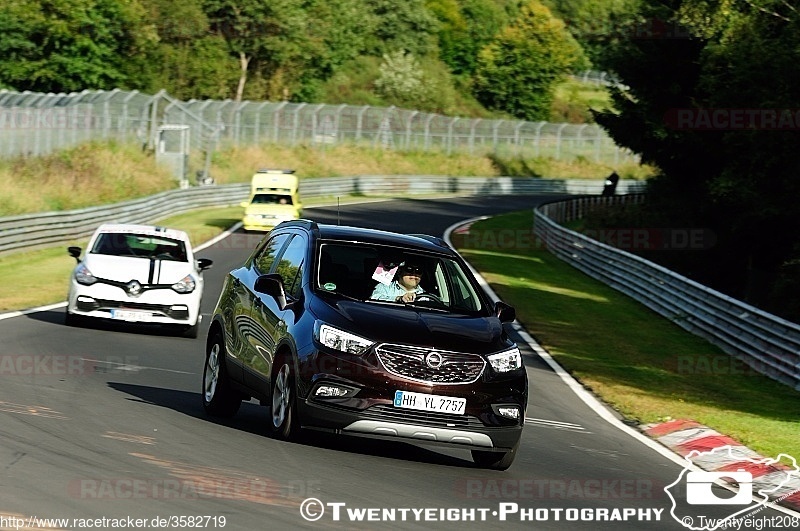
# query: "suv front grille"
413,363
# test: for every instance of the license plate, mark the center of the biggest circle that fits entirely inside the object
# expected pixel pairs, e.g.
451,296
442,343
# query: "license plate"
131,315
426,402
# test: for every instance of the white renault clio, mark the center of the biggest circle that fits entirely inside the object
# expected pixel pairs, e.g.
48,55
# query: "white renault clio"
138,273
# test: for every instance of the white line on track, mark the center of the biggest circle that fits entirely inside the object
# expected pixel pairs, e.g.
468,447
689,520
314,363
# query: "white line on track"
589,399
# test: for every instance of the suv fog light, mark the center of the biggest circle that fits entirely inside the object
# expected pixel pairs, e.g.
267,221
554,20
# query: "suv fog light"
509,412
328,390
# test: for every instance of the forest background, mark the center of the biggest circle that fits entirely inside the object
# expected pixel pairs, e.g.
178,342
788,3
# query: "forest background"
707,94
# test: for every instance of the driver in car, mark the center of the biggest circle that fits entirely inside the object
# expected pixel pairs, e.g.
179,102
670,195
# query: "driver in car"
404,288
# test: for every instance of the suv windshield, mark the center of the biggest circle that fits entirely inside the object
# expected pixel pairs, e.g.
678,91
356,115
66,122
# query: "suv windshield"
376,273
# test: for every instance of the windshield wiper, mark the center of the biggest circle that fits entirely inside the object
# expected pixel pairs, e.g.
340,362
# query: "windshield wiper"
336,292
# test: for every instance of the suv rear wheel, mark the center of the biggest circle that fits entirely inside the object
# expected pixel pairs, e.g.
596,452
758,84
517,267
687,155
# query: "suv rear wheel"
219,399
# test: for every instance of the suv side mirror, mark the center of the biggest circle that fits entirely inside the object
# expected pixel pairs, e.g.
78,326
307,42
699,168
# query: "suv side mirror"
272,285
504,312
204,263
75,252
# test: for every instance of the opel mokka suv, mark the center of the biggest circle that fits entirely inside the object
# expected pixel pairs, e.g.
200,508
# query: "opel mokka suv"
364,332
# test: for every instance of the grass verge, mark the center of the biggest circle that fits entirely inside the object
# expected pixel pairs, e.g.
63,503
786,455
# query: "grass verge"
643,365
111,172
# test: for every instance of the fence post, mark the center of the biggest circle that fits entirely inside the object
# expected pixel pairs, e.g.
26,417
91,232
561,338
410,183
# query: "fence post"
408,128
360,121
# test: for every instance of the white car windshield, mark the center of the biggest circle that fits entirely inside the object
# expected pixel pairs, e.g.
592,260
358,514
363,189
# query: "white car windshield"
368,272
140,246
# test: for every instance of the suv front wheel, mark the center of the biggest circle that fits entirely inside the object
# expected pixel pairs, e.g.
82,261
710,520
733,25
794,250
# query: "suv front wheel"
283,411
495,460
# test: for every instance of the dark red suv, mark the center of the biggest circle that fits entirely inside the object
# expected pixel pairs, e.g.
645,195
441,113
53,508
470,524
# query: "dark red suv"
365,332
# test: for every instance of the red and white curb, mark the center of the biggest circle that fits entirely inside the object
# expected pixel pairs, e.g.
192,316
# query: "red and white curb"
686,437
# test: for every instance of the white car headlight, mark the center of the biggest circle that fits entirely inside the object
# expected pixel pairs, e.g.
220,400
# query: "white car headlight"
508,360
84,276
185,285
340,340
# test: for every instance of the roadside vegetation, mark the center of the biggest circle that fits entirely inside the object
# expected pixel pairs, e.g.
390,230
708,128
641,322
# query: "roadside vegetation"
645,367
103,173
724,145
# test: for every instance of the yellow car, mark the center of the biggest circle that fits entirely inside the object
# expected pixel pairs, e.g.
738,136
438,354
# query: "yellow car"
274,197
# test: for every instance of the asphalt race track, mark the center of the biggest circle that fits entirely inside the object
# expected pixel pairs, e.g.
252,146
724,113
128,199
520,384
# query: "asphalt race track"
106,422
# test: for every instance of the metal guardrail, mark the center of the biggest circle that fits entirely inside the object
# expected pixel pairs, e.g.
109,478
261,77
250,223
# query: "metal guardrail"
32,231
765,342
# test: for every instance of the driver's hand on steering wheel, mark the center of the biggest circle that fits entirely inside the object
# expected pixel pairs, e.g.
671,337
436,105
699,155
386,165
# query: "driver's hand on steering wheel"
408,296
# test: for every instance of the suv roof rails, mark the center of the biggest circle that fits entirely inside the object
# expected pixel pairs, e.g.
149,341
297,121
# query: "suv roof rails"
433,239
311,224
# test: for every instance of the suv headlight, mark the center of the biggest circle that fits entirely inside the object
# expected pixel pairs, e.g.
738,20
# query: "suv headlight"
340,340
84,276
185,285
505,361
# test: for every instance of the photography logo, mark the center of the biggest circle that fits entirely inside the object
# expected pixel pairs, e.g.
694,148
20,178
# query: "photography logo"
694,491
699,488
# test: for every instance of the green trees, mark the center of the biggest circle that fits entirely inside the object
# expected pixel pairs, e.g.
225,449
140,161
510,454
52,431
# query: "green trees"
517,71
69,45
595,24
269,34
713,106
190,61
292,50
465,27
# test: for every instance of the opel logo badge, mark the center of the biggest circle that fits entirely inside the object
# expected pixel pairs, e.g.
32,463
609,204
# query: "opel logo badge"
133,288
434,360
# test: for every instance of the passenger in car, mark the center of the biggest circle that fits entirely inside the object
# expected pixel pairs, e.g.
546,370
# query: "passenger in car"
404,288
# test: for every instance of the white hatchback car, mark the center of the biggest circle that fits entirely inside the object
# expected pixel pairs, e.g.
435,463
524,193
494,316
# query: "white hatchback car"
138,273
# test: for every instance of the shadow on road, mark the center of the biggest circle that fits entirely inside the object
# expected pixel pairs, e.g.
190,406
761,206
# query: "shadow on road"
252,418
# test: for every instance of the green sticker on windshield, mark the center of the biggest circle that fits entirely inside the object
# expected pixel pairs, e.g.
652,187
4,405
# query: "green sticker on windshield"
330,286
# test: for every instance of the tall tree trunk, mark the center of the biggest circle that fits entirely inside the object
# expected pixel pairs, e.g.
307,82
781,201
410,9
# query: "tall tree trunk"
244,61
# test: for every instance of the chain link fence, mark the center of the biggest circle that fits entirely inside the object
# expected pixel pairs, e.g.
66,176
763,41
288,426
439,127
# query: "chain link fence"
33,124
